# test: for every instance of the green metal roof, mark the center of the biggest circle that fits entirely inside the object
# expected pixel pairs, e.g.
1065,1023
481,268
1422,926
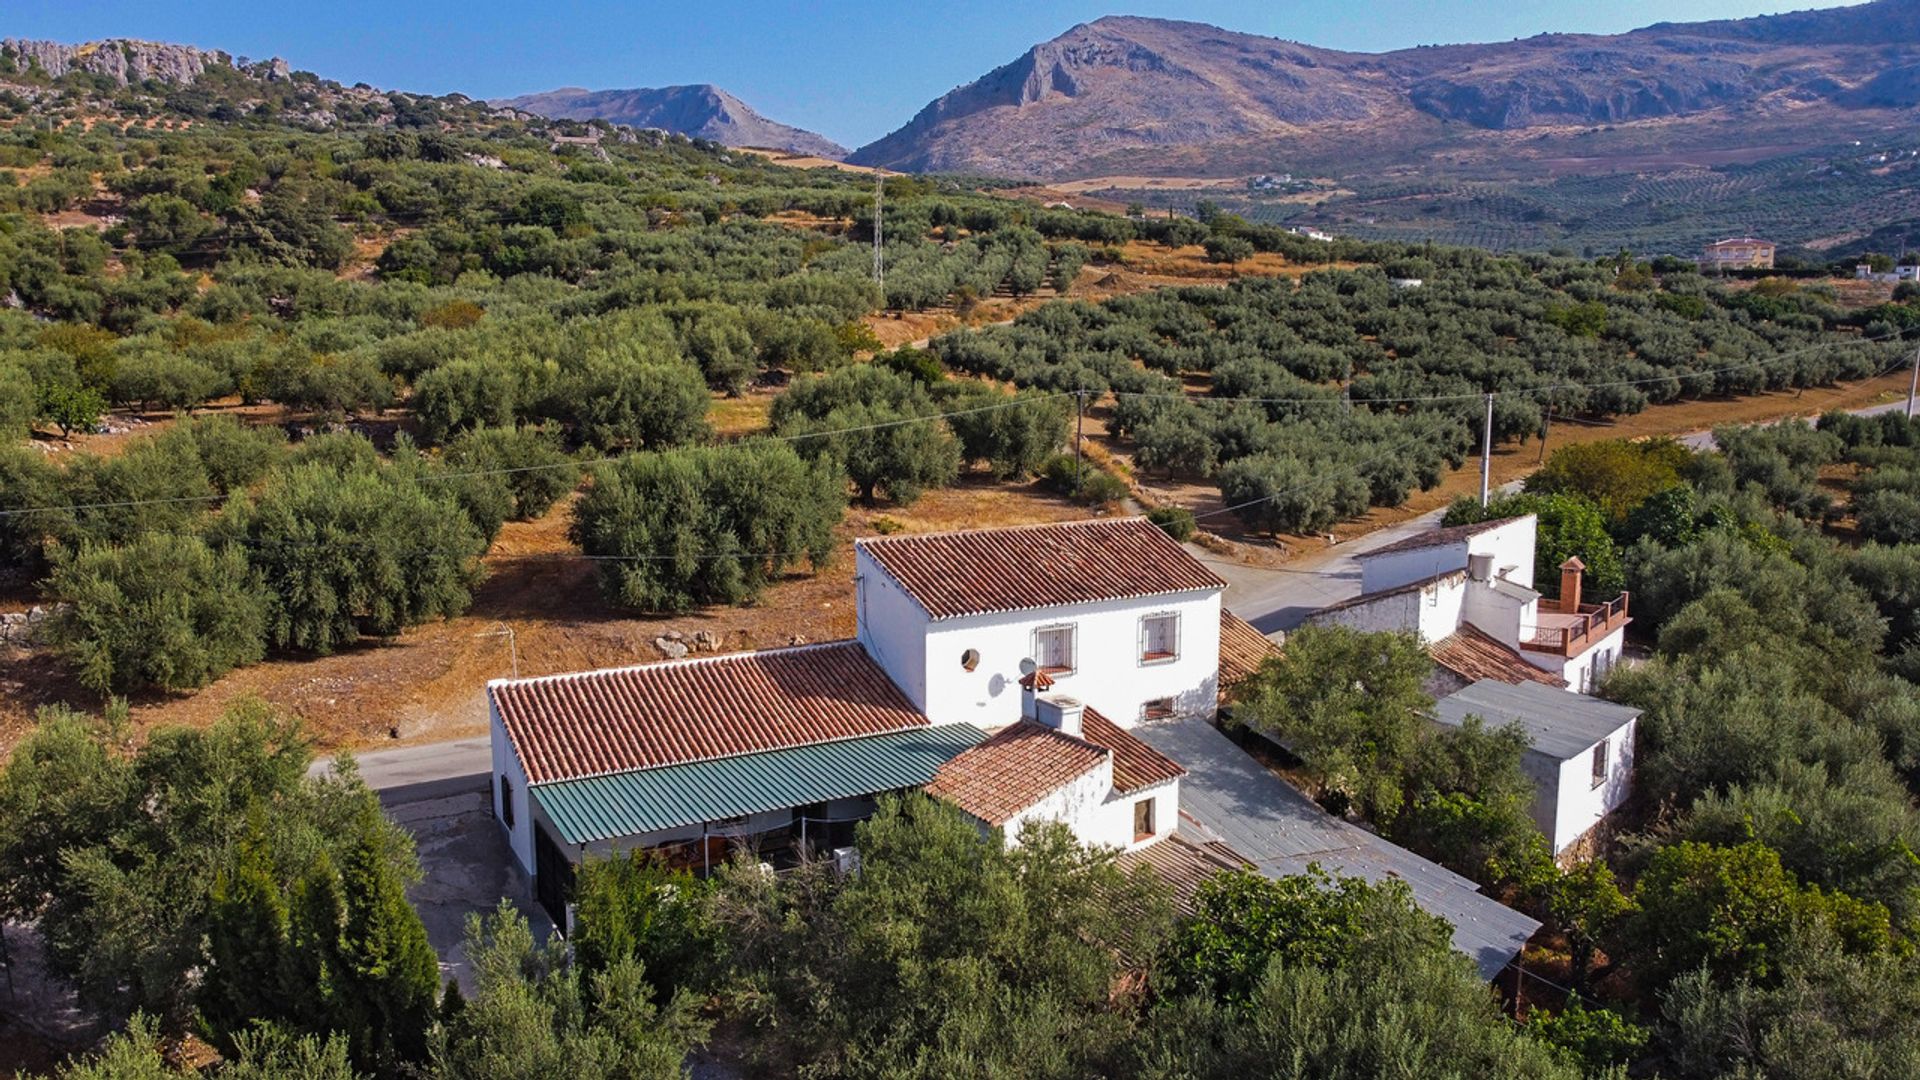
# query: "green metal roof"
648,800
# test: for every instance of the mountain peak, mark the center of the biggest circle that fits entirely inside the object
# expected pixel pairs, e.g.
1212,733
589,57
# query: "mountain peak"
1125,93
697,110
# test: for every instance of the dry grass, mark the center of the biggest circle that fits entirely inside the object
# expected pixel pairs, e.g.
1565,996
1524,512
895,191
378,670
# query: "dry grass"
807,161
732,417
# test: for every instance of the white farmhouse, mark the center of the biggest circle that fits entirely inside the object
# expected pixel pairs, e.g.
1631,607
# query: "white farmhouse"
1467,590
1581,760
1103,607
997,669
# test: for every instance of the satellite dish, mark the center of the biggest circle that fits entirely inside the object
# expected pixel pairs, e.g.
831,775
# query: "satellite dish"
1028,667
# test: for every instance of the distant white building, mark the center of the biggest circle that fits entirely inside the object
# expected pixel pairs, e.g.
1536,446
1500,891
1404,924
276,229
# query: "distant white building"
1468,592
1581,760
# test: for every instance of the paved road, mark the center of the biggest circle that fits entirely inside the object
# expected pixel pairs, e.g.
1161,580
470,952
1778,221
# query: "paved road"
1703,440
411,774
1276,600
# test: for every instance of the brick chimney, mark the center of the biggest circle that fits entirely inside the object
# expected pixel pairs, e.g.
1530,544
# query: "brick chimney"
1570,585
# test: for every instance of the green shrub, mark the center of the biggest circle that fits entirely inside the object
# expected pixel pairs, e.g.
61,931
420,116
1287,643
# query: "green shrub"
166,612
1083,482
1177,521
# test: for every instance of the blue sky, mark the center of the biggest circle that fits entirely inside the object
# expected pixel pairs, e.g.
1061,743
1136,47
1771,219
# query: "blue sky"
852,71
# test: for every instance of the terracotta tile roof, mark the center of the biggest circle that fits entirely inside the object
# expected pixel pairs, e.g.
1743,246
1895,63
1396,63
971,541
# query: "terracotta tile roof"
1136,765
1473,655
1036,680
1032,566
1452,534
564,727
1015,768
1242,648
1185,865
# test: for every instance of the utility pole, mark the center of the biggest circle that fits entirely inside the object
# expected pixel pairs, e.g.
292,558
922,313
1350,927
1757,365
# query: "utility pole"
1546,421
879,256
1913,387
1486,454
1079,426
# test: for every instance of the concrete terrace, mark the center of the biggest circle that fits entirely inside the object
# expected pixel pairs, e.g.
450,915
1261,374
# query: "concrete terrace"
1230,797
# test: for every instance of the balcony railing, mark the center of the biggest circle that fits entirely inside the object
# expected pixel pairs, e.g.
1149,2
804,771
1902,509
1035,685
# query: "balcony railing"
1572,635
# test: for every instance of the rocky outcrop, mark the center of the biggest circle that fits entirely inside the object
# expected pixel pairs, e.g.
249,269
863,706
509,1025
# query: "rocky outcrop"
698,112
25,627
125,60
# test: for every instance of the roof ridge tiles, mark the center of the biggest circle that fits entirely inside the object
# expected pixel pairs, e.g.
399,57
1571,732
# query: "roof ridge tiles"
1055,564
683,661
1024,526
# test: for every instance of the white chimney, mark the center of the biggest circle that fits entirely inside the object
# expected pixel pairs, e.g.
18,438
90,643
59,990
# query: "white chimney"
1480,567
1060,712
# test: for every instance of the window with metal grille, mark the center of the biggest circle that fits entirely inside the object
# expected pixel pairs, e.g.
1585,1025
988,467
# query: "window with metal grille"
1600,764
1160,638
1142,819
506,800
1157,709
1053,649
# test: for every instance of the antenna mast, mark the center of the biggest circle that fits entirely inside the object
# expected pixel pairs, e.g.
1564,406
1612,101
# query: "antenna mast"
879,258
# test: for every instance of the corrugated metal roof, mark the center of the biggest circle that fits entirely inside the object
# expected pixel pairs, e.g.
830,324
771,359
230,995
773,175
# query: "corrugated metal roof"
1034,566
1561,725
590,723
648,800
1230,797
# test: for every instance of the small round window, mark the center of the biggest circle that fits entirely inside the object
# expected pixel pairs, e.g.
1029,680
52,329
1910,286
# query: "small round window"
970,659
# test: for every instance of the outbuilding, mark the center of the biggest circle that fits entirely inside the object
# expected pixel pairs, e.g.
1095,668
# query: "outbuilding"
1581,757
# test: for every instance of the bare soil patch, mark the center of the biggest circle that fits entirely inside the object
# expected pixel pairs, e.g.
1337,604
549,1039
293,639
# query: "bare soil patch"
808,161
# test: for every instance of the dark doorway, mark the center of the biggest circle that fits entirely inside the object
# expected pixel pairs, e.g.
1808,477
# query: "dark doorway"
552,878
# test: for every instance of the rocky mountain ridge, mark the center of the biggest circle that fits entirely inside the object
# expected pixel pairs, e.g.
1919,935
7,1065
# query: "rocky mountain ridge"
1118,93
128,60
700,111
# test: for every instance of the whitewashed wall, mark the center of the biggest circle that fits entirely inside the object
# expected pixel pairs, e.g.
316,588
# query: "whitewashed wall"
505,763
892,626
1512,548
1506,614
1115,825
1392,570
1434,610
1584,671
923,656
1567,804
1077,806
1110,676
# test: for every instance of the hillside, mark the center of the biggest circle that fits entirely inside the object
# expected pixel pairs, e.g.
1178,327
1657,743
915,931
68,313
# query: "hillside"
702,112
1125,94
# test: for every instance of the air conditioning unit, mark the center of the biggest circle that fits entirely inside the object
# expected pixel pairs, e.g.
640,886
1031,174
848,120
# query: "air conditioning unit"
846,861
